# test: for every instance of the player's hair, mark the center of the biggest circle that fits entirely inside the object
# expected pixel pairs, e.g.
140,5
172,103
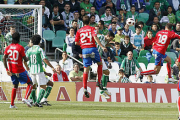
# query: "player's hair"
116,43
55,6
102,22
36,39
107,8
168,26
110,34
15,37
127,37
86,20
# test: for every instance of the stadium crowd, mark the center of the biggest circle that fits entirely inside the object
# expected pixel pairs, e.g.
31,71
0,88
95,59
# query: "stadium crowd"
106,16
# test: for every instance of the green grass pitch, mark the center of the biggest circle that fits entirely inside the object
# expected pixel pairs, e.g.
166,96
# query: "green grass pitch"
91,111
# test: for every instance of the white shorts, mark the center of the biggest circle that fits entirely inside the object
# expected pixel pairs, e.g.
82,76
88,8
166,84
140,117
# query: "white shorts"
104,66
39,79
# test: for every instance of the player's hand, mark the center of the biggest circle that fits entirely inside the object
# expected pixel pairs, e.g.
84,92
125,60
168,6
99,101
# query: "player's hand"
27,69
104,49
9,73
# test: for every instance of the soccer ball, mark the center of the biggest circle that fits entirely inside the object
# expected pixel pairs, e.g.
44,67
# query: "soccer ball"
130,22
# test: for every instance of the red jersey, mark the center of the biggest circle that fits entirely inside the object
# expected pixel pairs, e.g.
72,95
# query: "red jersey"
148,42
86,37
179,59
162,40
15,54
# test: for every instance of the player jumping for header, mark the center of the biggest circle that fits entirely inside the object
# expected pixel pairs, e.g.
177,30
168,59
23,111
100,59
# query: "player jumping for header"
87,37
14,55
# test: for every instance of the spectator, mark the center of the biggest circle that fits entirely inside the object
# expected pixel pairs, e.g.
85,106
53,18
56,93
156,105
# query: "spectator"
86,5
93,12
74,5
123,4
176,69
171,16
106,17
75,74
177,29
102,30
67,15
174,4
8,36
46,10
121,18
99,3
150,79
129,65
175,47
77,51
113,29
148,41
76,17
119,37
61,5
173,76
74,25
141,24
59,76
178,14
163,4
132,13
137,40
127,31
109,57
125,46
10,2
139,5
111,5
20,2
29,45
66,63
122,77
69,40
154,12
82,13
117,50
56,19
45,19
92,21
114,19
154,29
2,40
156,21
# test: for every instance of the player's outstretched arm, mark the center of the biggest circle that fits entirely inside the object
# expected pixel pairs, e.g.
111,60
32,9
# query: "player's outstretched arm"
49,64
5,64
99,43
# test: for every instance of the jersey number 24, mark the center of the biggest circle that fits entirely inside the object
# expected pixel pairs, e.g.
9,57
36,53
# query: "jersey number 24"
84,36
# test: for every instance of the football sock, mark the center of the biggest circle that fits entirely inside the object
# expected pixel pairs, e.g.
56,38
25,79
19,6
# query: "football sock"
13,95
48,91
100,73
169,69
85,78
178,104
40,96
148,72
28,91
105,80
33,95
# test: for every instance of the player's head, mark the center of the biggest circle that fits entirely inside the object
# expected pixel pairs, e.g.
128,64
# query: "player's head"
30,42
178,26
58,69
126,39
12,29
97,29
168,26
36,39
76,67
86,20
15,37
149,34
110,36
130,55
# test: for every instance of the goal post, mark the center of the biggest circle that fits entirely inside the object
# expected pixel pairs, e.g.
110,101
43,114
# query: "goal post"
28,21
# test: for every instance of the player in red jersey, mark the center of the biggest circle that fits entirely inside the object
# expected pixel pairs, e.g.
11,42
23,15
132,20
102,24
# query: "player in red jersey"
86,37
14,55
178,88
161,42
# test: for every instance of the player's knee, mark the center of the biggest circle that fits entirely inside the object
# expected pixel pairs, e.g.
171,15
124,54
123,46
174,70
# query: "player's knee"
50,83
106,72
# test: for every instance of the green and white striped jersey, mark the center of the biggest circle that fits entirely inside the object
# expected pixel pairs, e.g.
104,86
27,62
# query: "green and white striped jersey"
35,55
103,42
106,19
79,22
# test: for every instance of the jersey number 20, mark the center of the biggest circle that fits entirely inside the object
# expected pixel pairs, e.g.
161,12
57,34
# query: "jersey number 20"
13,55
162,38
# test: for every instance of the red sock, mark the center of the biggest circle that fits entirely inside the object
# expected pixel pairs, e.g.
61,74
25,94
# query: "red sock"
178,104
148,72
13,95
99,69
85,78
28,91
169,69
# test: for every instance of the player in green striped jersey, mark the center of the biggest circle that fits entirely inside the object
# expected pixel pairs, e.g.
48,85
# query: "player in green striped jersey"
36,55
105,42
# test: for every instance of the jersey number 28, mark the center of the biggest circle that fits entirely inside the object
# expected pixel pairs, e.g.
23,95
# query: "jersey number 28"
162,38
